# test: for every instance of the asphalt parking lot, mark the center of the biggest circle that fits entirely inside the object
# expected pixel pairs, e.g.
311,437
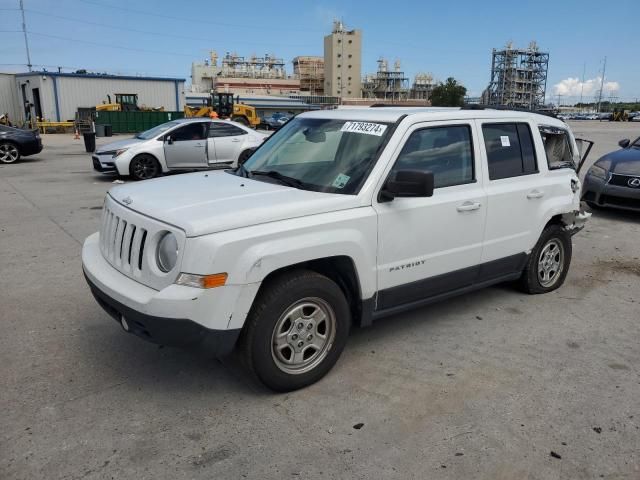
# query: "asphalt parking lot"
484,386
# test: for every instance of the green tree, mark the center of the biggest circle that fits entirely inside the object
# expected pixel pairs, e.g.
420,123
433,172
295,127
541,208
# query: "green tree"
449,94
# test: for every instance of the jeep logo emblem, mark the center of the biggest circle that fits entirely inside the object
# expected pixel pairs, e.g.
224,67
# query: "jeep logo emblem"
634,182
129,200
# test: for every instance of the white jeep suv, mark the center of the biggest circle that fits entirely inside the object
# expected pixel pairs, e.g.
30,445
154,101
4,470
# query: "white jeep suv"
340,218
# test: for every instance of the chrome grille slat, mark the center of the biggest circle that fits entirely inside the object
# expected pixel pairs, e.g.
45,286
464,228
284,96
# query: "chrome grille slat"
122,224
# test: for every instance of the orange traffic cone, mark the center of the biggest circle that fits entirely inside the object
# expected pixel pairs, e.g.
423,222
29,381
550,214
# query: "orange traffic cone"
76,135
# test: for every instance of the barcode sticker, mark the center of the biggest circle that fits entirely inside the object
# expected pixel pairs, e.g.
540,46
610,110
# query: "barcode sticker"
367,128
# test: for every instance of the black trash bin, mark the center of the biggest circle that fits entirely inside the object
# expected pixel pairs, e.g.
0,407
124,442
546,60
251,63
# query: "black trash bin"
108,130
90,142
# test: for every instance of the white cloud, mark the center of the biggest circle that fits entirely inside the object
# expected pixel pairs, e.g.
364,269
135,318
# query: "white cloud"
573,87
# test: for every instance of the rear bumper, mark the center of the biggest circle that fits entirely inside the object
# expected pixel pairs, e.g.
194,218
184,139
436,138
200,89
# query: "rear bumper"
31,147
598,192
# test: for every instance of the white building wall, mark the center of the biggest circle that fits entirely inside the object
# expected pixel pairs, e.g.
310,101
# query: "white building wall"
86,91
74,92
9,100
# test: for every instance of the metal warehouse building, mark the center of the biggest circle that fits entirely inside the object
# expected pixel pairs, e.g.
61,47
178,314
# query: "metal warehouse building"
56,96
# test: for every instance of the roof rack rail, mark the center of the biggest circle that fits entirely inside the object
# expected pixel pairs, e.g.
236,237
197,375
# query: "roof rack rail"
474,106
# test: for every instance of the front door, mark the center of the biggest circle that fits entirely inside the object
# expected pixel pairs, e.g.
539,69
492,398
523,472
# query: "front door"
432,245
186,146
226,140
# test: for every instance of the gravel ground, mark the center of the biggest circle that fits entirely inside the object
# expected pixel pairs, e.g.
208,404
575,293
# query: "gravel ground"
491,385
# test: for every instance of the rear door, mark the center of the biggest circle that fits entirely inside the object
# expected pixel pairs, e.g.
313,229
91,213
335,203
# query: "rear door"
432,245
226,140
186,146
516,191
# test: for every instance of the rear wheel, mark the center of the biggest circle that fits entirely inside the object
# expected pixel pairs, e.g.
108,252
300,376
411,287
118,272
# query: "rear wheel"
9,153
549,261
144,167
241,119
296,330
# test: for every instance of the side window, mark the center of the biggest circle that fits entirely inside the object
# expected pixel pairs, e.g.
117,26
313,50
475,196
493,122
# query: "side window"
191,131
510,150
445,151
219,129
557,147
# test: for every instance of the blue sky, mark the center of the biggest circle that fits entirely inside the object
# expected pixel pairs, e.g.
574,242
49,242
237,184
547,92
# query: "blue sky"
163,37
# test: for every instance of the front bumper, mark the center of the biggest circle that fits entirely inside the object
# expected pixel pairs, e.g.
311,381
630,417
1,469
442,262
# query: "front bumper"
601,193
176,315
176,332
104,164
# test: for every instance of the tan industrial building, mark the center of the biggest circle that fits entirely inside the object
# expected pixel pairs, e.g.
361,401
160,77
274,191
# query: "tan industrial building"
310,71
243,76
342,62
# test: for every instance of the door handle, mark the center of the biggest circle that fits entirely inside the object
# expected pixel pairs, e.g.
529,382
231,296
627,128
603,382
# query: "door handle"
468,206
199,146
235,139
535,194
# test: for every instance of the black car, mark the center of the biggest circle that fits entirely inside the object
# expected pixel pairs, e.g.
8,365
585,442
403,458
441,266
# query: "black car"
614,180
16,143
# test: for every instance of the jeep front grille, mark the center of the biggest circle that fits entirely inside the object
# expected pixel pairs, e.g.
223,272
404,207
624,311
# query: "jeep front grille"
122,242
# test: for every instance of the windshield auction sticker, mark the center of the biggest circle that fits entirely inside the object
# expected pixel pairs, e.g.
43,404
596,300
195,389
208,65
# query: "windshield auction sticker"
364,127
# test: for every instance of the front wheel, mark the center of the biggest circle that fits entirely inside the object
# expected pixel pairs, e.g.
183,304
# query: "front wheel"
549,261
296,330
144,167
9,153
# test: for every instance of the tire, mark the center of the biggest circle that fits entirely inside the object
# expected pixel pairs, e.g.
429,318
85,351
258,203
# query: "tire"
549,261
144,167
313,318
241,119
244,156
9,152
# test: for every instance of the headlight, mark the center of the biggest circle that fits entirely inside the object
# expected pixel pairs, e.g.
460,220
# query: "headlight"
598,172
120,152
167,255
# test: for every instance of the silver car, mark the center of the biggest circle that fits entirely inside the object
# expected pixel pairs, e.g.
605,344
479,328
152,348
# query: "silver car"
184,144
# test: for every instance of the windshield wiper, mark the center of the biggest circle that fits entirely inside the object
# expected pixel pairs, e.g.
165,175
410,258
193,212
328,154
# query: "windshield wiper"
290,181
242,171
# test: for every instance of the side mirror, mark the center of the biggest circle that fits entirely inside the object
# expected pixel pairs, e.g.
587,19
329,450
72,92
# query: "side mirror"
168,139
408,183
624,143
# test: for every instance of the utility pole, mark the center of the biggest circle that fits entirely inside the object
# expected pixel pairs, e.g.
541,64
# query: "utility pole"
559,95
604,70
26,40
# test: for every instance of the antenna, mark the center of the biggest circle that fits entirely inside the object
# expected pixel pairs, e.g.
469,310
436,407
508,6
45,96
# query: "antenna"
26,40
604,69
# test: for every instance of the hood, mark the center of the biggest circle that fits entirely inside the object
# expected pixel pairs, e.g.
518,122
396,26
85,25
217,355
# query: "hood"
625,161
118,145
209,202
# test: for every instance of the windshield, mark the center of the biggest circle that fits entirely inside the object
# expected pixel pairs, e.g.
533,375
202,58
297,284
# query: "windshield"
155,131
322,155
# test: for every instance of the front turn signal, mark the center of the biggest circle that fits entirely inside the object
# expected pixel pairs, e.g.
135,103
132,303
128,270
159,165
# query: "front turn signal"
202,281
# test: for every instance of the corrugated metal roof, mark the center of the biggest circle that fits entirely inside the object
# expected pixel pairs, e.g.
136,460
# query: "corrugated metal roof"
98,75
